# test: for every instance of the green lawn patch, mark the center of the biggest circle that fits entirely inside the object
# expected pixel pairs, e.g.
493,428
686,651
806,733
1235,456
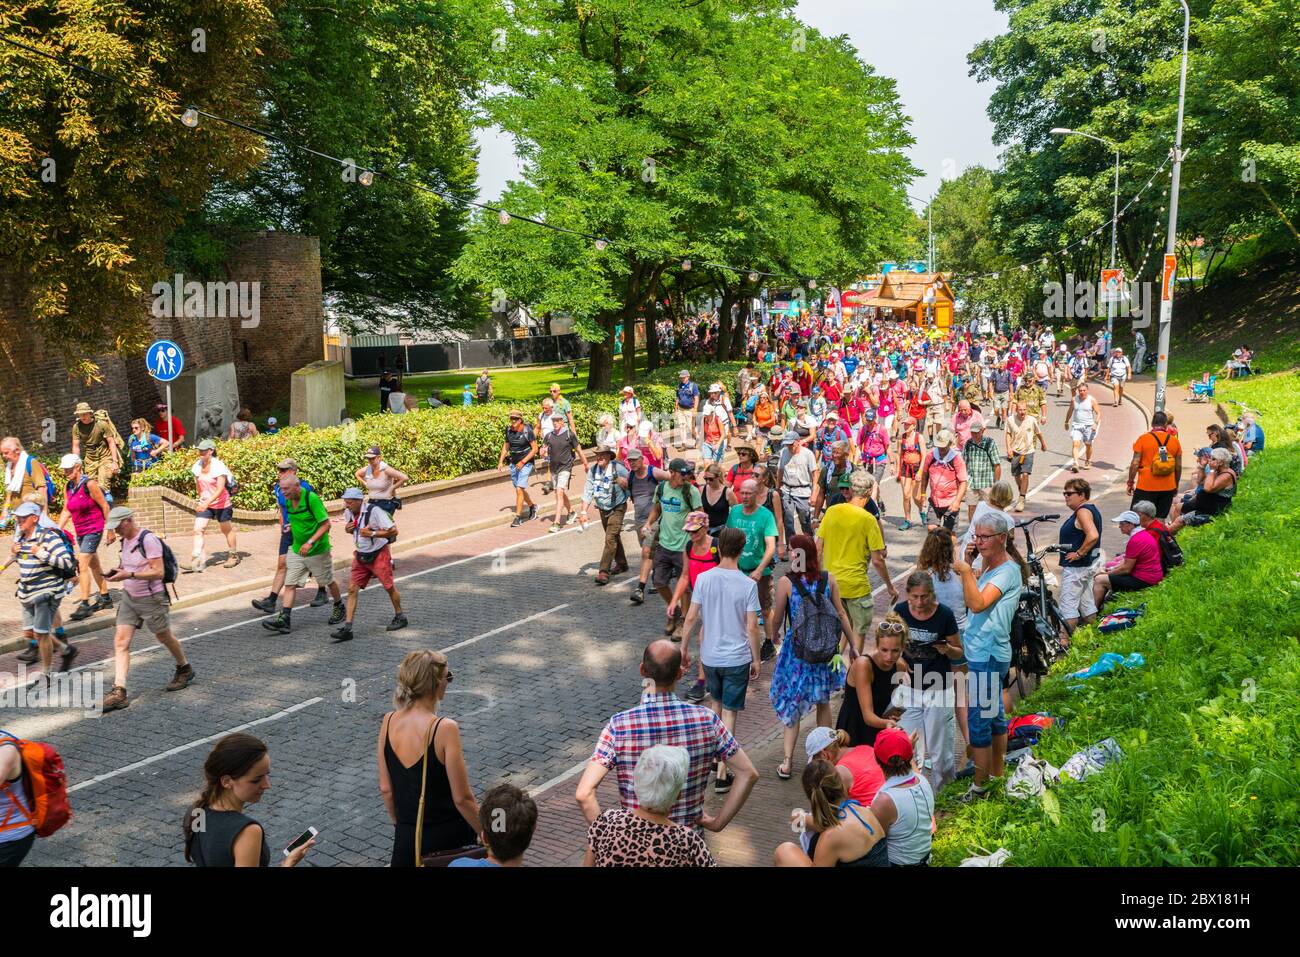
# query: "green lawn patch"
1209,727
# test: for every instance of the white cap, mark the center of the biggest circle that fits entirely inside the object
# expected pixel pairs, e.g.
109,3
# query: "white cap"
1130,516
69,461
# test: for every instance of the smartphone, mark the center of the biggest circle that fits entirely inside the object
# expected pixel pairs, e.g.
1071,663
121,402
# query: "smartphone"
300,840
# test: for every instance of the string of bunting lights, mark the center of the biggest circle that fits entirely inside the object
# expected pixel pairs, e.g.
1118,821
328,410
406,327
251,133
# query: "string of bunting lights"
192,115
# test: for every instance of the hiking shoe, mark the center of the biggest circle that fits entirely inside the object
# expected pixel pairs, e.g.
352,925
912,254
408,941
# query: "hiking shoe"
82,612
619,568
555,527
723,785
398,622
115,700
69,653
519,520
196,564
638,595
182,678
279,623
322,598
338,614
532,512
231,560
696,692
672,624
101,602
768,650
30,655
343,633
266,605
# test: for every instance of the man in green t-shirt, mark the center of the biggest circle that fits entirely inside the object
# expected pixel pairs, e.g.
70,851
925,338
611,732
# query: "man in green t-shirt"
674,499
309,525
849,538
759,525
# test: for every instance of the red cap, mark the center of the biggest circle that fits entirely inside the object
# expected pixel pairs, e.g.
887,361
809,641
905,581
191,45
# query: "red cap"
893,743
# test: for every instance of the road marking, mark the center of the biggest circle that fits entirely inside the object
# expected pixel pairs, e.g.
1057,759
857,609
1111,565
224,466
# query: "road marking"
497,631
538,790
194,744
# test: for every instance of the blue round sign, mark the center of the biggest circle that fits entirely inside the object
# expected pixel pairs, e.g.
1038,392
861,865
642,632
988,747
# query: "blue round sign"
164,360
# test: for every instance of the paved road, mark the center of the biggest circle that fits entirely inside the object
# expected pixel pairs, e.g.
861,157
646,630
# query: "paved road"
541,659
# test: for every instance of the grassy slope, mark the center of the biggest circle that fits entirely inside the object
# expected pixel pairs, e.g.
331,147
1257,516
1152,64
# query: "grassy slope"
1210,725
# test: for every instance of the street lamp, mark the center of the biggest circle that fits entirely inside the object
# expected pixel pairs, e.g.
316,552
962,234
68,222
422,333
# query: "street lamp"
929,215
1167,308
1114,223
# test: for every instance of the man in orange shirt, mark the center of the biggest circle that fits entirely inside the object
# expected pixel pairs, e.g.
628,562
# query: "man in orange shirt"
1157,466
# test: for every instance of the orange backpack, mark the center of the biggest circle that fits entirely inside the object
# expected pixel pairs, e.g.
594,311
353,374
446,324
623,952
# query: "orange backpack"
47,789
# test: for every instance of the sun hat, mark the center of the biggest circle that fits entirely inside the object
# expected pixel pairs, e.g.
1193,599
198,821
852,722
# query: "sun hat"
207,445
684,372
607,450
69,461
695,521
83,408
977,424
286,464
944,439
353,494
516,414
819,739
892,743
628,388
716,387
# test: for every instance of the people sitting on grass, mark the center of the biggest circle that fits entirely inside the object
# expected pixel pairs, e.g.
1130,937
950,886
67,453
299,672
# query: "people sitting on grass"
1216,483
839,831
1139,567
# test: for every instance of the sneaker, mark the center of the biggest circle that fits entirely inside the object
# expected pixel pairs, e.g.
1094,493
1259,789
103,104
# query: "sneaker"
555,527
69,654
723,785
673,622
279,623
30,655
182,678
231,561
266,604
904,525
768,650
974,793
115,700
101,602
638,595
1020,505
399,622
342,633
338,613
532,512
696,692
82,612
196,564
519,520
322,598
573,518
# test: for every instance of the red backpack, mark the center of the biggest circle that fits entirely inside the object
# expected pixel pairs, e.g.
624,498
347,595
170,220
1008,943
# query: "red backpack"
47,789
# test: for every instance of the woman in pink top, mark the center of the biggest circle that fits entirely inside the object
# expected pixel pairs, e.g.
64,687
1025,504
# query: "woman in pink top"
86,506
213,481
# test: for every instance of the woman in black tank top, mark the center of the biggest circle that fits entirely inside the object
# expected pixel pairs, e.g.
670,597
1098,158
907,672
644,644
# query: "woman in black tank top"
876,674
450,811
715,498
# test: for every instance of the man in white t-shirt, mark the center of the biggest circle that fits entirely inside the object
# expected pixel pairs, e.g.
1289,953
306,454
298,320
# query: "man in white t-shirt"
1118,371
725,602
372,531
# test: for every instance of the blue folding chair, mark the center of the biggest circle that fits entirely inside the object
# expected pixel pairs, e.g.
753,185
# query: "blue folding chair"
1203,391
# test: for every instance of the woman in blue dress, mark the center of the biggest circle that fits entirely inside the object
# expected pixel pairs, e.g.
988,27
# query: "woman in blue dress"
799,686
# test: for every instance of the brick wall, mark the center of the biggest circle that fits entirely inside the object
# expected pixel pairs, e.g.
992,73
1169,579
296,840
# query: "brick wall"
36,385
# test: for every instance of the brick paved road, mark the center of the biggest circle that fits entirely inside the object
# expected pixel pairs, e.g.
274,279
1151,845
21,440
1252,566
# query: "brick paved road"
541,659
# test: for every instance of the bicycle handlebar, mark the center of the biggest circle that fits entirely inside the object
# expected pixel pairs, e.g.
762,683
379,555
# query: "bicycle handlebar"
1037,518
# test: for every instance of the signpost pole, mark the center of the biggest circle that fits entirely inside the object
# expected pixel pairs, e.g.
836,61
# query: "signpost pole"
169,417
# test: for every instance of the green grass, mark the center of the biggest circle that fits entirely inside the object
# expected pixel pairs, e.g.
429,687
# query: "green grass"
1209,726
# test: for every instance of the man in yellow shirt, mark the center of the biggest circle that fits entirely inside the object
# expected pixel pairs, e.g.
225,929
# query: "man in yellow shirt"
847,539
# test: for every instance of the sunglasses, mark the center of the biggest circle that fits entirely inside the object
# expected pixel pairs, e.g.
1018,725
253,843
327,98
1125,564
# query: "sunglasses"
890,627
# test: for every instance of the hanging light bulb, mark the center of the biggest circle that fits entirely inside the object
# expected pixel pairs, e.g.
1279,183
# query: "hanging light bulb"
686,265
601,244
190,117
366,177
503,218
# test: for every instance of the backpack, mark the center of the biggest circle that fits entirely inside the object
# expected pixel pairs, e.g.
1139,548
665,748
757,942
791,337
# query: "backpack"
1162,464
49,482
687,488
46,785
171,568
815,630
1171,553
1025,730
68,574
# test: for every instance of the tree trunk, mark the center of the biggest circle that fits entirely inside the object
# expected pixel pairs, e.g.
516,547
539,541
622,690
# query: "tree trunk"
629,344
600,372
652,340
738,333
723,342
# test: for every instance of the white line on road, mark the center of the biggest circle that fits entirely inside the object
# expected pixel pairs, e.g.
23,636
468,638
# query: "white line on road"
497,631
194,744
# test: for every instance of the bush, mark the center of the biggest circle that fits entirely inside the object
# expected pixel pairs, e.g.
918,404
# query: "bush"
428,445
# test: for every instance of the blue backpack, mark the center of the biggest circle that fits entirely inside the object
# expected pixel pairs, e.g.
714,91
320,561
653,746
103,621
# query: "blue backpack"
49,482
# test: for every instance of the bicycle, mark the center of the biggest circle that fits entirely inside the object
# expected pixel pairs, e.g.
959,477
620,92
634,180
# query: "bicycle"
1037,628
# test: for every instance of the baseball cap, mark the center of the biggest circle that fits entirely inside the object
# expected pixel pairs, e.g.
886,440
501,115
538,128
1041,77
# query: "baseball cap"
516,414
633,453
832,414
285,465
115,516
944,439
272,421
977,424
695,520
682,466
628,388
1128,516
160,407
819,739
27,509
353,494
69,461
372,452
716,387
868,413
684,372
893,743
558,414
207,444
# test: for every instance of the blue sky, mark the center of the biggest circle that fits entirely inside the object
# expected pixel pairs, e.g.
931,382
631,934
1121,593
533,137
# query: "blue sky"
947,106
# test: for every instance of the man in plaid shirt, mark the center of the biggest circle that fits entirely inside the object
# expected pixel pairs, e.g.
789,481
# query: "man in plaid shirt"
983,466
663,718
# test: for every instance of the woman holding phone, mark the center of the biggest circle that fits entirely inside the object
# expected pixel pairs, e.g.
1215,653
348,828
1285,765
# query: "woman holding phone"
217,831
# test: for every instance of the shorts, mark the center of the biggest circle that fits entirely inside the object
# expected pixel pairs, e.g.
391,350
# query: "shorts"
906,471
976,495
297,567
1022,464
520,474
220,515
1084,435
286,542
38,614
877,468
151,611
381,568
713,453
860,610
1118,379
727,686
1161,500
1043,383
985,714
88,544
667,566
1076,600
561,478
1000,400
1126,583
946,515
